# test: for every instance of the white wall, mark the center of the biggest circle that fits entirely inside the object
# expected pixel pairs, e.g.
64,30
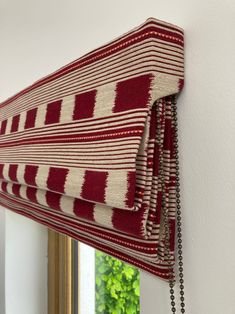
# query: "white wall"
39,36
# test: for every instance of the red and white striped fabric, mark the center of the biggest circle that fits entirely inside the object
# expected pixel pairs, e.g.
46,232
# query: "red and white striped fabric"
79,150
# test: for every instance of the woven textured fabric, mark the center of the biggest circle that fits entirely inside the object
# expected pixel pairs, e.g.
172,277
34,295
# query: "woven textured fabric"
80,149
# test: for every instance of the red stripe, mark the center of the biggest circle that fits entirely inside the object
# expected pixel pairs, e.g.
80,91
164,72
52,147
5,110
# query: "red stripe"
128,221
53,200
84,209
30,118
53,112
131,183
127,97
167,144
13,172
56,179
30,174
172,234
84,105
16,189
1,171
15,123
94,185
31,194
3,127
4,186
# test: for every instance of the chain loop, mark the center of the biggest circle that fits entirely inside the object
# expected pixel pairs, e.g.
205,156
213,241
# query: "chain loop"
178,207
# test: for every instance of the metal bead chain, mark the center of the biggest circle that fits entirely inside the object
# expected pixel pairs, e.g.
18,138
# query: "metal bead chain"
178,207
166,211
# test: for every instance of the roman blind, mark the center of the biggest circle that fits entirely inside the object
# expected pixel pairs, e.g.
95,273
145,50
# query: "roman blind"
91,149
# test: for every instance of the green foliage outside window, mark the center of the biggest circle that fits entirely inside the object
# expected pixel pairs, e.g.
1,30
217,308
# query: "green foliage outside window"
117,286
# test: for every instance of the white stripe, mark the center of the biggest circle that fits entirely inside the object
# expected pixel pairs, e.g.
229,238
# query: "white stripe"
23,189
74,182
9,188
103,215
20,173
42,175
67,204
105,100
163,85
41,197
41,115
8,127
22,121
67,108
116,188
6,172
